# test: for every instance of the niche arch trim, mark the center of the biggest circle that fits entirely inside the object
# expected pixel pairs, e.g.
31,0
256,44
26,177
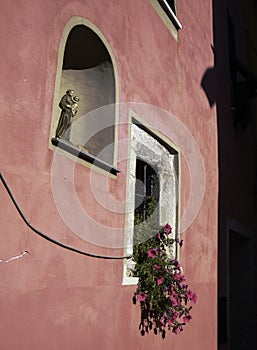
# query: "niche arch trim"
72,23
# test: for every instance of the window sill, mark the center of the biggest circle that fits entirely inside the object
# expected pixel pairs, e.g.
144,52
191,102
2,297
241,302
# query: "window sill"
168,17
80,153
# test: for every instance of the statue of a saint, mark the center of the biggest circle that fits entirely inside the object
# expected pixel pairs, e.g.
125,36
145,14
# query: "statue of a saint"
69,107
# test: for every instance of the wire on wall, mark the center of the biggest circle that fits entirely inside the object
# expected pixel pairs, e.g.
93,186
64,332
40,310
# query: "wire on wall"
48,238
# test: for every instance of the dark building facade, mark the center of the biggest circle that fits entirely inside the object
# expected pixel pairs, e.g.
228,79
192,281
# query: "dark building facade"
235,76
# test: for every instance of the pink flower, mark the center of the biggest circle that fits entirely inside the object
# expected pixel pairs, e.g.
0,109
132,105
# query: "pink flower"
173,318
141,296
173,293
159,235
156,267
176,276
160,323
177,330
170,322
167,229
191,296
159,280
194,298
175,315
187,318
174,300
152,253
179,277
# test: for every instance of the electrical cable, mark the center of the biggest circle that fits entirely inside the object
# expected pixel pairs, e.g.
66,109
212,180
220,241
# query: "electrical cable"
43,235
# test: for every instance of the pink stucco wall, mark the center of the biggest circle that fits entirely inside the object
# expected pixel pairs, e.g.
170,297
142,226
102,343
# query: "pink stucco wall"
55,299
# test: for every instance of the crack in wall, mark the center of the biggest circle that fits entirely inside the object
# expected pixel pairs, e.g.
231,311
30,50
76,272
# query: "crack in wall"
14,257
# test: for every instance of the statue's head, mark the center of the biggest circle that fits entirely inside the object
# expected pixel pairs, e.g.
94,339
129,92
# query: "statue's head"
70,92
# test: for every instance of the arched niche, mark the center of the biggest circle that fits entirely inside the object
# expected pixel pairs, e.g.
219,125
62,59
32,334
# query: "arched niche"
86,65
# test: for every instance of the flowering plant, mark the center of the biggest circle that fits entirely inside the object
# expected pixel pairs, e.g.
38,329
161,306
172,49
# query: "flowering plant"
161,290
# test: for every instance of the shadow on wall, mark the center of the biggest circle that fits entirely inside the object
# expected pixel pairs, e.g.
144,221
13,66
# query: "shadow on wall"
231,84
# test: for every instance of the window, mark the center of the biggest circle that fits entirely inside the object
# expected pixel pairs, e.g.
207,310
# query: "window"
86,68
243,82
167,10
168,5
152,191
147,189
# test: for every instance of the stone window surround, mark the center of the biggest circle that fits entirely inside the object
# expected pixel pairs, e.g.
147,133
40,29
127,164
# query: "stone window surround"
146,146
